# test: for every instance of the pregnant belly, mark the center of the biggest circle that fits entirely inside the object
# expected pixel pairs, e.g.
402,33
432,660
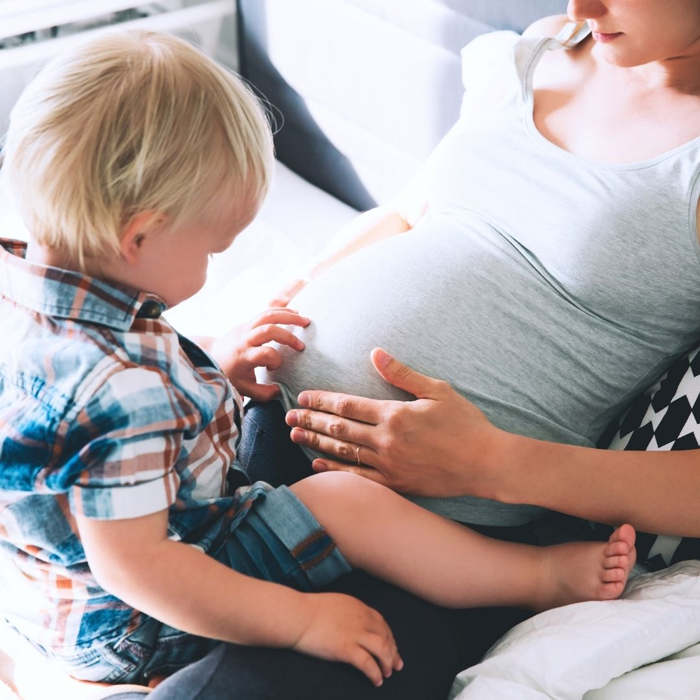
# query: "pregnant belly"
450,303
466,303
454,304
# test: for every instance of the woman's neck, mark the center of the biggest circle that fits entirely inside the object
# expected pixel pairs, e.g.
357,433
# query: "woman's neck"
680,74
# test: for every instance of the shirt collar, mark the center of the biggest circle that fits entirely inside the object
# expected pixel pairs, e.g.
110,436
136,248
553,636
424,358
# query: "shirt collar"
67,294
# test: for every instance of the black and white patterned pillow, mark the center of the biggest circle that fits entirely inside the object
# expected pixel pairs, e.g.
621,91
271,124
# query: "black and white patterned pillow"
666,417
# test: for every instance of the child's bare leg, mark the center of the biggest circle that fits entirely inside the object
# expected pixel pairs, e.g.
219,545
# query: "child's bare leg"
447,563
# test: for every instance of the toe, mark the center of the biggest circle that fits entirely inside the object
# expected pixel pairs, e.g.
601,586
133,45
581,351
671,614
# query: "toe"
617,562
617,547
607,591
613,575
624,533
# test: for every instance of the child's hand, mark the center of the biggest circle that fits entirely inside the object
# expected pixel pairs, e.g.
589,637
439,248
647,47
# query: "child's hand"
341,628
243,349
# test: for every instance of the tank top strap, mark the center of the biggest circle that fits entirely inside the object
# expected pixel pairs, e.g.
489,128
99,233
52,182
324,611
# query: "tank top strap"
570,35
528,51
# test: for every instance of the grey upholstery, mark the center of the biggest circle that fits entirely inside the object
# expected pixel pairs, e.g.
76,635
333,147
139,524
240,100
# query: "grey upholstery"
364,89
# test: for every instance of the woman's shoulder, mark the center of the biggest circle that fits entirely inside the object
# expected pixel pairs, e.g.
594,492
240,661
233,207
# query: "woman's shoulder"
546,26
494,64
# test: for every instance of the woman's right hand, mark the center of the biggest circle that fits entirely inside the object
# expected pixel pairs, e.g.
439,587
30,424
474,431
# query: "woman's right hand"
342,628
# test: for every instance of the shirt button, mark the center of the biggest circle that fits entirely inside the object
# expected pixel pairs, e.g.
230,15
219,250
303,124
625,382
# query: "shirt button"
150,309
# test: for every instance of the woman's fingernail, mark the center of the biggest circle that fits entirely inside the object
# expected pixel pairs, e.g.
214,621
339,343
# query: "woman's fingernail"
298,434
303,399
292,418
319,466
300,345
382,358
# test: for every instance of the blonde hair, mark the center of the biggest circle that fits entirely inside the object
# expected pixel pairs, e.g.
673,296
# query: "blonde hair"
130,123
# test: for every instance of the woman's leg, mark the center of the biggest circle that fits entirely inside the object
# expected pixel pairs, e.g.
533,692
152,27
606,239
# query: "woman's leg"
265,451
435,644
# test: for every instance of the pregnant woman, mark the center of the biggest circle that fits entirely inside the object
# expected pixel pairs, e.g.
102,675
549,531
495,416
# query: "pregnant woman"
546,284
553,275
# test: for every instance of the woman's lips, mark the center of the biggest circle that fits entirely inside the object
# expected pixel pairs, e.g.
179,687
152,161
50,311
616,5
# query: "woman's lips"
603,37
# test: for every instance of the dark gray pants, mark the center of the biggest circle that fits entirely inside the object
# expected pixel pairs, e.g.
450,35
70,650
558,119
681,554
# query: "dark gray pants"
434,642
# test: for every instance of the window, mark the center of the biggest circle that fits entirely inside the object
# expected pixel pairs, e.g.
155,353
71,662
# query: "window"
31,31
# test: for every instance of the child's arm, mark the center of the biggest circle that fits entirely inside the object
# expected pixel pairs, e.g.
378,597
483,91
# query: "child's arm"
178,584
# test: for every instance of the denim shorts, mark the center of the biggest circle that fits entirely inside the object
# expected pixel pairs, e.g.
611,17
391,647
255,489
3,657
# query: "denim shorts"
277,539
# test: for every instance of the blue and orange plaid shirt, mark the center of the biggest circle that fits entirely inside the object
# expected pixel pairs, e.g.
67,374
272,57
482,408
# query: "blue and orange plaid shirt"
107,412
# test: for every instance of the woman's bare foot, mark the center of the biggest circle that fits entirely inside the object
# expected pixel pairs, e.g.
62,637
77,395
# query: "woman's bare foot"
578,571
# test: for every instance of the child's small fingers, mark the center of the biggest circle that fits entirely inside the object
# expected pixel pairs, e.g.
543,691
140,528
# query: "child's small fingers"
382,649
263,392
268,332
254,390
396,660
363,661
263,356
286,317
279,308
383,644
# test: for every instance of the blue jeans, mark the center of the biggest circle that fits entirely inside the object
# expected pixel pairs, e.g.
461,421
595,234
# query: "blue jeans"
273,537
434,642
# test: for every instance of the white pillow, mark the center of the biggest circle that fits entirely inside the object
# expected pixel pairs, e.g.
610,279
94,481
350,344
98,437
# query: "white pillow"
565,652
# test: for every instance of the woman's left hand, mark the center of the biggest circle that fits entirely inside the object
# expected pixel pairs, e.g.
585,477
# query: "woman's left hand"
438,445
288,292
244,348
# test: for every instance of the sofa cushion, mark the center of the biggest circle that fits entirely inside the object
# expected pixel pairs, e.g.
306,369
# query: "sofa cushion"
364,92
666,417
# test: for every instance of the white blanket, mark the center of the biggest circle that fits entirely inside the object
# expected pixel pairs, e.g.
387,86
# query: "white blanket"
566,652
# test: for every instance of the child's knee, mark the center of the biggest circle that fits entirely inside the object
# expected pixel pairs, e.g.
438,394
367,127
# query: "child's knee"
328,490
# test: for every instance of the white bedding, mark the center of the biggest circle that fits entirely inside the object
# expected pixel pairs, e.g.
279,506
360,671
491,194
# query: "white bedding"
590,650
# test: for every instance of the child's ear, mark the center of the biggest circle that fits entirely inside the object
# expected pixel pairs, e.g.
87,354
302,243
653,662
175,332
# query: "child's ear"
134,234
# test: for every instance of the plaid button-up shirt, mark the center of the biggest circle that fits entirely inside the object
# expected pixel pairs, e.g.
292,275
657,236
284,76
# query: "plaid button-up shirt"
107,412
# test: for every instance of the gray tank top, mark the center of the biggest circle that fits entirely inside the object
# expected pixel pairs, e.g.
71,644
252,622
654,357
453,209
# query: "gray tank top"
546,287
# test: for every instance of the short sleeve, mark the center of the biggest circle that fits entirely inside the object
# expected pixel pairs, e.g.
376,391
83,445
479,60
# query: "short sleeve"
124,446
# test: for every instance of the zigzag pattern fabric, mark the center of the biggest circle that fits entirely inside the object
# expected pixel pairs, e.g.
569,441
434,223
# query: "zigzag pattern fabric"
666,417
